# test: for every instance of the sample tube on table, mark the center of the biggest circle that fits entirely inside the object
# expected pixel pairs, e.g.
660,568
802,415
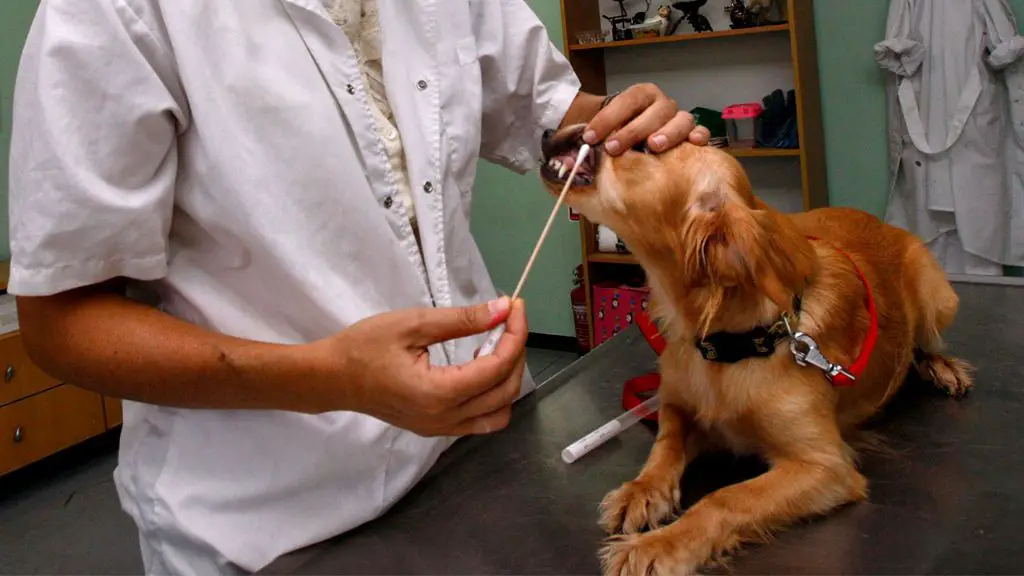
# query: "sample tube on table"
610,430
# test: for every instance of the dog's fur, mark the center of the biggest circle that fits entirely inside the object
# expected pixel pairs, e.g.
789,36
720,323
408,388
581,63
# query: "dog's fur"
719,259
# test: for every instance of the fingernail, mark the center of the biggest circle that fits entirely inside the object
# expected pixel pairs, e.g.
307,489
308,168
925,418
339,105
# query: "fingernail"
590,137
613,146
660,141
498,307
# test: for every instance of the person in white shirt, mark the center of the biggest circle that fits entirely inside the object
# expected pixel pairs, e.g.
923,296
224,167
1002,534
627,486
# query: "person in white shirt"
250,221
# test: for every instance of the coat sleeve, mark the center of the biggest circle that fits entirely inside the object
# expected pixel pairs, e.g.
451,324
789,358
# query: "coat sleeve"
1003,50
901,52
528,85
97,109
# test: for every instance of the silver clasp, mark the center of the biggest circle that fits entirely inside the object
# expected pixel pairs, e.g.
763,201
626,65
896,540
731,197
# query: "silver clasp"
806,353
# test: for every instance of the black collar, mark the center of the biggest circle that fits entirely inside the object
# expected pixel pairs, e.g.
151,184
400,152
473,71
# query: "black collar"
730,347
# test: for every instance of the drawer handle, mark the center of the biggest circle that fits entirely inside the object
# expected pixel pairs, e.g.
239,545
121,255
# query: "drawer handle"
17,434
9,374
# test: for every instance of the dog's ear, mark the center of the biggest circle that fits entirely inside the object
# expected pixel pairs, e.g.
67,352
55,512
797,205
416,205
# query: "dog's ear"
728,245
785,261
713,236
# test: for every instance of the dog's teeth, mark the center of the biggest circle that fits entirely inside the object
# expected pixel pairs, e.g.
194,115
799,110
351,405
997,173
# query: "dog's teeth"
562,171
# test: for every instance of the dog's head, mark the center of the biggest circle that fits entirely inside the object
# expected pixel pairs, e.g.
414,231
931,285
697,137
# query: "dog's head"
692,220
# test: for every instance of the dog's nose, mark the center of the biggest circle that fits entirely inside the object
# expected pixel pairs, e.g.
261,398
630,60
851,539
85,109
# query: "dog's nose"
545,143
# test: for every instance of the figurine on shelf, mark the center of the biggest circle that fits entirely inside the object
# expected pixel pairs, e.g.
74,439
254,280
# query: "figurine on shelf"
664,19
641,16
739,16
654,26
751,13
760,10
691,13
620,24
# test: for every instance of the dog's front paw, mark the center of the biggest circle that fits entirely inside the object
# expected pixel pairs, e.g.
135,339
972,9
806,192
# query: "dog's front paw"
639,503
649,554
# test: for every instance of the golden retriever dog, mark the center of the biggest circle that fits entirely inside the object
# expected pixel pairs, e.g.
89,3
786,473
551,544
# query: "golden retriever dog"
736,289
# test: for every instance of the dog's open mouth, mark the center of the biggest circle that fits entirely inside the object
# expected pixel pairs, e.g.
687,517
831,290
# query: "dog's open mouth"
560,156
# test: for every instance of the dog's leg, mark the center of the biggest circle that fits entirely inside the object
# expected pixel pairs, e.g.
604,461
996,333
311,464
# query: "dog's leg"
792,490
653,497
939,304
949,374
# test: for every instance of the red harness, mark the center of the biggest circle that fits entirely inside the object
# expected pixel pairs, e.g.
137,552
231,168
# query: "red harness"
861,362
638,389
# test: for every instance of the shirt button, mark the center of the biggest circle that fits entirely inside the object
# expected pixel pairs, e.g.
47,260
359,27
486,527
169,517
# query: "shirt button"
388,202
422,84
350,89
428,187
390,134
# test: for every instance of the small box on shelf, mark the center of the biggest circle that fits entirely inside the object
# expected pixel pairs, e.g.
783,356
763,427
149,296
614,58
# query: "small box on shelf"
616,306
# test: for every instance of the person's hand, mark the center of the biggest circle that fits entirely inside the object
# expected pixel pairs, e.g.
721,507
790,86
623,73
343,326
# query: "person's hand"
386,370
643,113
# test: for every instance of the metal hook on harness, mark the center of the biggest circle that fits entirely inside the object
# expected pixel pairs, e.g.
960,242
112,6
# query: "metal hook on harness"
806,353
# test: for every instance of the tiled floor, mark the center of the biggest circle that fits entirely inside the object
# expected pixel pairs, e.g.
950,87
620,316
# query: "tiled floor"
64,518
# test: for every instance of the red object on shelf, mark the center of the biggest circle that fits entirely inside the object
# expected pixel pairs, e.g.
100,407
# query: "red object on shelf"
616,306
742,111
578,299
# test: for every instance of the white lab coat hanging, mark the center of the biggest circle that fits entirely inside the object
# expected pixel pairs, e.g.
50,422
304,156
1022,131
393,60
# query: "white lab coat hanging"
955,100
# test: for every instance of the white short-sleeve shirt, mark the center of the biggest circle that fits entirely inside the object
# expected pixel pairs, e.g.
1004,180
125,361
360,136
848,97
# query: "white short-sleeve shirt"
224,155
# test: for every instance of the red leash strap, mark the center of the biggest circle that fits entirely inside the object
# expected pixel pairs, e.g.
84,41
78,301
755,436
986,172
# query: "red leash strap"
861,362
637,390
650,332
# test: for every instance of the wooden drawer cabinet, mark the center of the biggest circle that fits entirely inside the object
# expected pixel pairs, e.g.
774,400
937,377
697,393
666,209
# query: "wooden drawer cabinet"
112,411
39,415
41,425
19,377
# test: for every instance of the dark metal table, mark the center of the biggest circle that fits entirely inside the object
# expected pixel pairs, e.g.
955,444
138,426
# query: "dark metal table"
950,502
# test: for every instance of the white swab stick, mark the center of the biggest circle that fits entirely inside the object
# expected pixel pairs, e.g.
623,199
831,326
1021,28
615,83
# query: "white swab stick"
495,334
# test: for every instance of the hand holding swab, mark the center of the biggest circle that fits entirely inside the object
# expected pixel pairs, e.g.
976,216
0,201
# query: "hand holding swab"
495,334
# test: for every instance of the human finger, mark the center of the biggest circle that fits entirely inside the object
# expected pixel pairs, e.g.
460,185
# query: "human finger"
651,121
673,133
433,325
619,111
486,424
477,376
700,136
504,394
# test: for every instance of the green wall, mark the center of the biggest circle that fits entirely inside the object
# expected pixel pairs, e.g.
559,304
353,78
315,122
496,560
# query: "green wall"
853,101
509,212
15,17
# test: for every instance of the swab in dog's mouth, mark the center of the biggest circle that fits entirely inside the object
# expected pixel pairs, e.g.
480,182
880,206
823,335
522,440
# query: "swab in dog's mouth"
559,159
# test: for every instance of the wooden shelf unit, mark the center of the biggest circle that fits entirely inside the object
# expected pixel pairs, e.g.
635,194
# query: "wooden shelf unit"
588,60
681,38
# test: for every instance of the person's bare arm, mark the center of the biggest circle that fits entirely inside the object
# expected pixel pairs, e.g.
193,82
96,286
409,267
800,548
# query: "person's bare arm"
99,340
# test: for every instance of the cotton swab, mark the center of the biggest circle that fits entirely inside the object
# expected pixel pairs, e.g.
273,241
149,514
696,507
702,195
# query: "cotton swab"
495,334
